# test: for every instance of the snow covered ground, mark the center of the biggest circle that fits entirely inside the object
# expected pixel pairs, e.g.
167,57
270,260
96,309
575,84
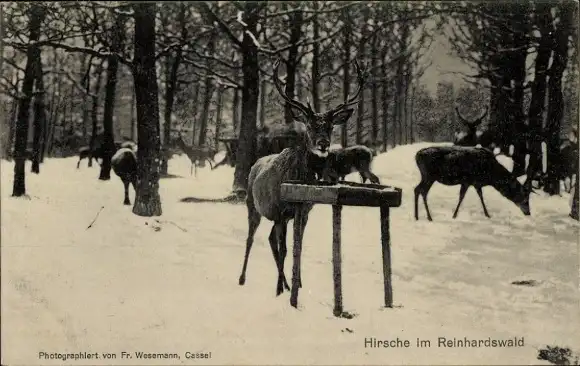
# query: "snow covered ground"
170,284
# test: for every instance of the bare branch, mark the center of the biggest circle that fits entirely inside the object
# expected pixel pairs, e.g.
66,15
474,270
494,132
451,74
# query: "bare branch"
222,25
210,71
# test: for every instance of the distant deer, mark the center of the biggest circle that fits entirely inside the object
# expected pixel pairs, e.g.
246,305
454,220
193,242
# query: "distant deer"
86,152
341,162
467,166
311,137
197,155
470,137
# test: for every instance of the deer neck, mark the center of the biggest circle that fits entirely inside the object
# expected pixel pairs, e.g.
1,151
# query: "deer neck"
294,163
508,186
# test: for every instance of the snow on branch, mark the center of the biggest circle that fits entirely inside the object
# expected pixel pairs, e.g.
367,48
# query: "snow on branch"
75,83
256,43
210,71
222,25
239,18
90,51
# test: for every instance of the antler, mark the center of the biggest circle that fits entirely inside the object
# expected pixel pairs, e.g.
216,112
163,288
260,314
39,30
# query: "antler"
354,99
480,119
463,120
277,83
471,124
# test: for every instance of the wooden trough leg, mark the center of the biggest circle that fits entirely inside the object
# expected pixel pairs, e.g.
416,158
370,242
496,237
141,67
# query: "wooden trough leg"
297,254
336,259
386,246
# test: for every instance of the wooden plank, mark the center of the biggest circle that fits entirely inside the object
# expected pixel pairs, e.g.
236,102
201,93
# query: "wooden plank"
343,194
386,248
305,193
297,255
337,259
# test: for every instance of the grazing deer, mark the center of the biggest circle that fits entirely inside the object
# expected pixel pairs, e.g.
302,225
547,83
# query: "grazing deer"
124,164
311,136
341,162
197,155
470,137
467,166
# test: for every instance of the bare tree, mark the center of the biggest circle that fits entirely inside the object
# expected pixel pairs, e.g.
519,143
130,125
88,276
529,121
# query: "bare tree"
147,199
36,15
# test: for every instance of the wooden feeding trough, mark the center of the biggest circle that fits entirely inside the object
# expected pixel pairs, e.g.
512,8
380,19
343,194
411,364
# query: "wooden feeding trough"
338,195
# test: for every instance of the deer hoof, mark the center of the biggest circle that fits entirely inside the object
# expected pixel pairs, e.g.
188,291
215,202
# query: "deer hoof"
126,203
242,280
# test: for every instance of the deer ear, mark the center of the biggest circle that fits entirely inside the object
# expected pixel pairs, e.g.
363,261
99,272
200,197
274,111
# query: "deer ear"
341,117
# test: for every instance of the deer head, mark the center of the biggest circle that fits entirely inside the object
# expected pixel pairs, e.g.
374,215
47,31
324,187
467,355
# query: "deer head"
314,128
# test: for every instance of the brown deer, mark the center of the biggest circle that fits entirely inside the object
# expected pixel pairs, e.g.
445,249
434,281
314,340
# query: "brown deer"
124,164
470,137
311,132
341,162
467,166
197,155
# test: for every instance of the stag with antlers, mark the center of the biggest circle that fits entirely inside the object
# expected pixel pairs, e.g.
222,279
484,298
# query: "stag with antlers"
311,132
470,137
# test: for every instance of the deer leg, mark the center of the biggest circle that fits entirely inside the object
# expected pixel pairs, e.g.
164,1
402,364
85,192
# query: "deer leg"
79,163
417,193
422,189
462,191
480,194
283,252
273,238
373,178
424,192
126,201
254,219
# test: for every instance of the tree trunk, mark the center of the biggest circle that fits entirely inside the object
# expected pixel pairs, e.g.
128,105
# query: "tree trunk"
250,94
555,106
39,118
208,90
110,89
385,100
170,90
236,110
315,60
54,102
194,112
94,113
412,115
36,16
263,92
133,118
292,62
518,71
361,102
347,31
218,119
396,109
11,129
147,199
374,90
536,111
